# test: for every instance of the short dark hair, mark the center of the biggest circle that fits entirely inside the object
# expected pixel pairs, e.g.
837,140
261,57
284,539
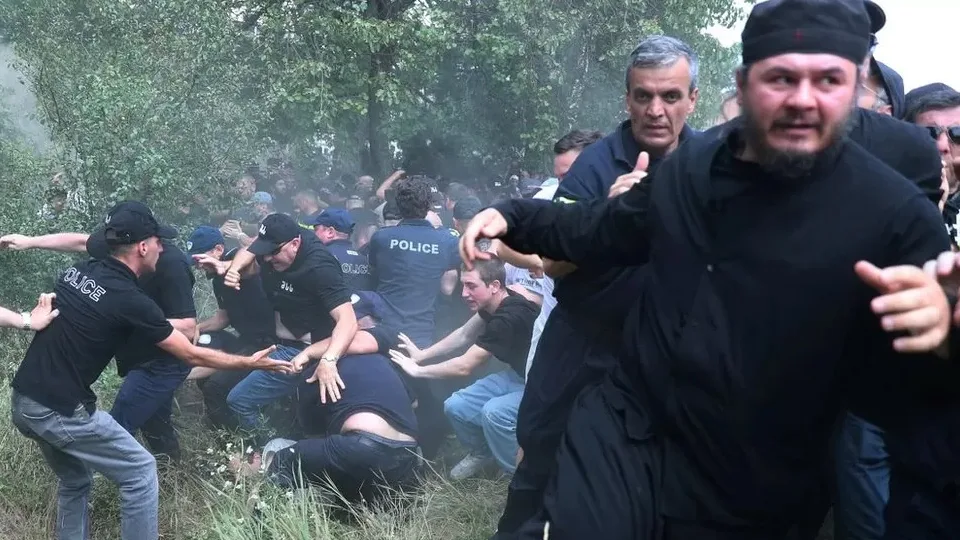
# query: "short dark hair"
577,139
490,270
413,198
457,191
934,101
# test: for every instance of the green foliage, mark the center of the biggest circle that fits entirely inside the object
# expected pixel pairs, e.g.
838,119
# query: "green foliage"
145,100
169,100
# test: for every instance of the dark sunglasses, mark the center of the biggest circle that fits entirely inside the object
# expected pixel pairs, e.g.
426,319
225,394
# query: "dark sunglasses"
953,132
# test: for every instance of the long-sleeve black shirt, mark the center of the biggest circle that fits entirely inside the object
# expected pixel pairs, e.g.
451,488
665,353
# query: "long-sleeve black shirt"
752,325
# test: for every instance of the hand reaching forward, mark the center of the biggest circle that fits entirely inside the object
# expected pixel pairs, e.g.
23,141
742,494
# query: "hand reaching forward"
912,301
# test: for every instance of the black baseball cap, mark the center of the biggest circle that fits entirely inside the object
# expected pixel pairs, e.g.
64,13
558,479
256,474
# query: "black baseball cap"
878,19
126,223
275,230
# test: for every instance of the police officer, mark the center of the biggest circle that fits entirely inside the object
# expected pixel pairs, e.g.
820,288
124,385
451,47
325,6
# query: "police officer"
413,262
333,227
101,308
145,400
305,286
247,310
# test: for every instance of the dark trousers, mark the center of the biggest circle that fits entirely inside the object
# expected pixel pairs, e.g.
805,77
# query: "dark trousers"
610,481
145,403
359,465
918,511
565,363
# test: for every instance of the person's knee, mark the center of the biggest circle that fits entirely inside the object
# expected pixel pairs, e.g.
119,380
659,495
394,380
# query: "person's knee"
238,402
453,407
142,477
499,416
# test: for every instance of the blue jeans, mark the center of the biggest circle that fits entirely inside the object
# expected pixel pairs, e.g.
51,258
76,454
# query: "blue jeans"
262,388
484,416
145,403
76,445
863,481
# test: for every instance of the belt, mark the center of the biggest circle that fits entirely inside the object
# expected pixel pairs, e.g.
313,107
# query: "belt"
370,442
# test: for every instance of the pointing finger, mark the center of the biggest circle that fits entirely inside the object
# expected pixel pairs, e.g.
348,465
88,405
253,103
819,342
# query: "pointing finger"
643,161
871,275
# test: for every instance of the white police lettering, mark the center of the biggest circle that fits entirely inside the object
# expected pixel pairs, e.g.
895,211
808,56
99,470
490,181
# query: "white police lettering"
416,247
84,284
189,245
286,287
354,269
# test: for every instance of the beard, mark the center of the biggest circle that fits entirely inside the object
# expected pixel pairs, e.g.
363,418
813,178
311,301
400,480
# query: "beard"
791,164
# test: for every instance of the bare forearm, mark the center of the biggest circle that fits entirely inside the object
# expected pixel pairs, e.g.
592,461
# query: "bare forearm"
212,358
186,326
9,319
242,260
67,242
343,334
454,341
363,343
219,321
511,256
455,367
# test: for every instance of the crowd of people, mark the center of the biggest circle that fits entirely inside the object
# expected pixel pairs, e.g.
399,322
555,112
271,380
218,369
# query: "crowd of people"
682,335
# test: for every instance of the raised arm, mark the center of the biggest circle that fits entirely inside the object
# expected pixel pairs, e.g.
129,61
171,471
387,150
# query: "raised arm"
66,242
595,233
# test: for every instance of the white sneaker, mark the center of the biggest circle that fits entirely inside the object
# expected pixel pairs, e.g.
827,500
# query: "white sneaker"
469,467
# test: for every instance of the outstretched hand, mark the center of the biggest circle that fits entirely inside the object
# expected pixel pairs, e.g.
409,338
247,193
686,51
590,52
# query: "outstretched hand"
43,314
487,224
911,300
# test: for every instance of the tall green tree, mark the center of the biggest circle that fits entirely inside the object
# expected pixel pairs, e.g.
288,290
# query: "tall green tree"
149,100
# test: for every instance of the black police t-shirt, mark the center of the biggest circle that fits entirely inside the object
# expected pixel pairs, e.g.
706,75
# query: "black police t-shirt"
101,307
374,386
508,331
249,309
171,287
306,293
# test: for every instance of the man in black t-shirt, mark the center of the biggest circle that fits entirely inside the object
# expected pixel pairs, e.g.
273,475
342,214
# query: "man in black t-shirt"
101,309
484,414
247,310
145,400
305,286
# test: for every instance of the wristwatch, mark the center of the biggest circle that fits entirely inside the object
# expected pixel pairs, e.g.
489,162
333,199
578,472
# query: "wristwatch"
329,359
25,316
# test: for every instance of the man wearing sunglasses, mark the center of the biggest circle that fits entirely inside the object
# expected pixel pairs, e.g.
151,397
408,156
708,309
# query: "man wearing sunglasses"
305,285
937,109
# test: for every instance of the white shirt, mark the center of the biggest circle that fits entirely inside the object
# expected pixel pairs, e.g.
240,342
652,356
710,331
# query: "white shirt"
549,302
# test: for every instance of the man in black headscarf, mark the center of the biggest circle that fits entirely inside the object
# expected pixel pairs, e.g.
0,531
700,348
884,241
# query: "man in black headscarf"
759,311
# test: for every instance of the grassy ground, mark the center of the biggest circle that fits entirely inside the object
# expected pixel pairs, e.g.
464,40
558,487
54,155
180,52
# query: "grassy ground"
199,499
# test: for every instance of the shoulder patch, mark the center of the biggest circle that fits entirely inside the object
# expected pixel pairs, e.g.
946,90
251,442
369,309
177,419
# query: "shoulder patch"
565,200
454,233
